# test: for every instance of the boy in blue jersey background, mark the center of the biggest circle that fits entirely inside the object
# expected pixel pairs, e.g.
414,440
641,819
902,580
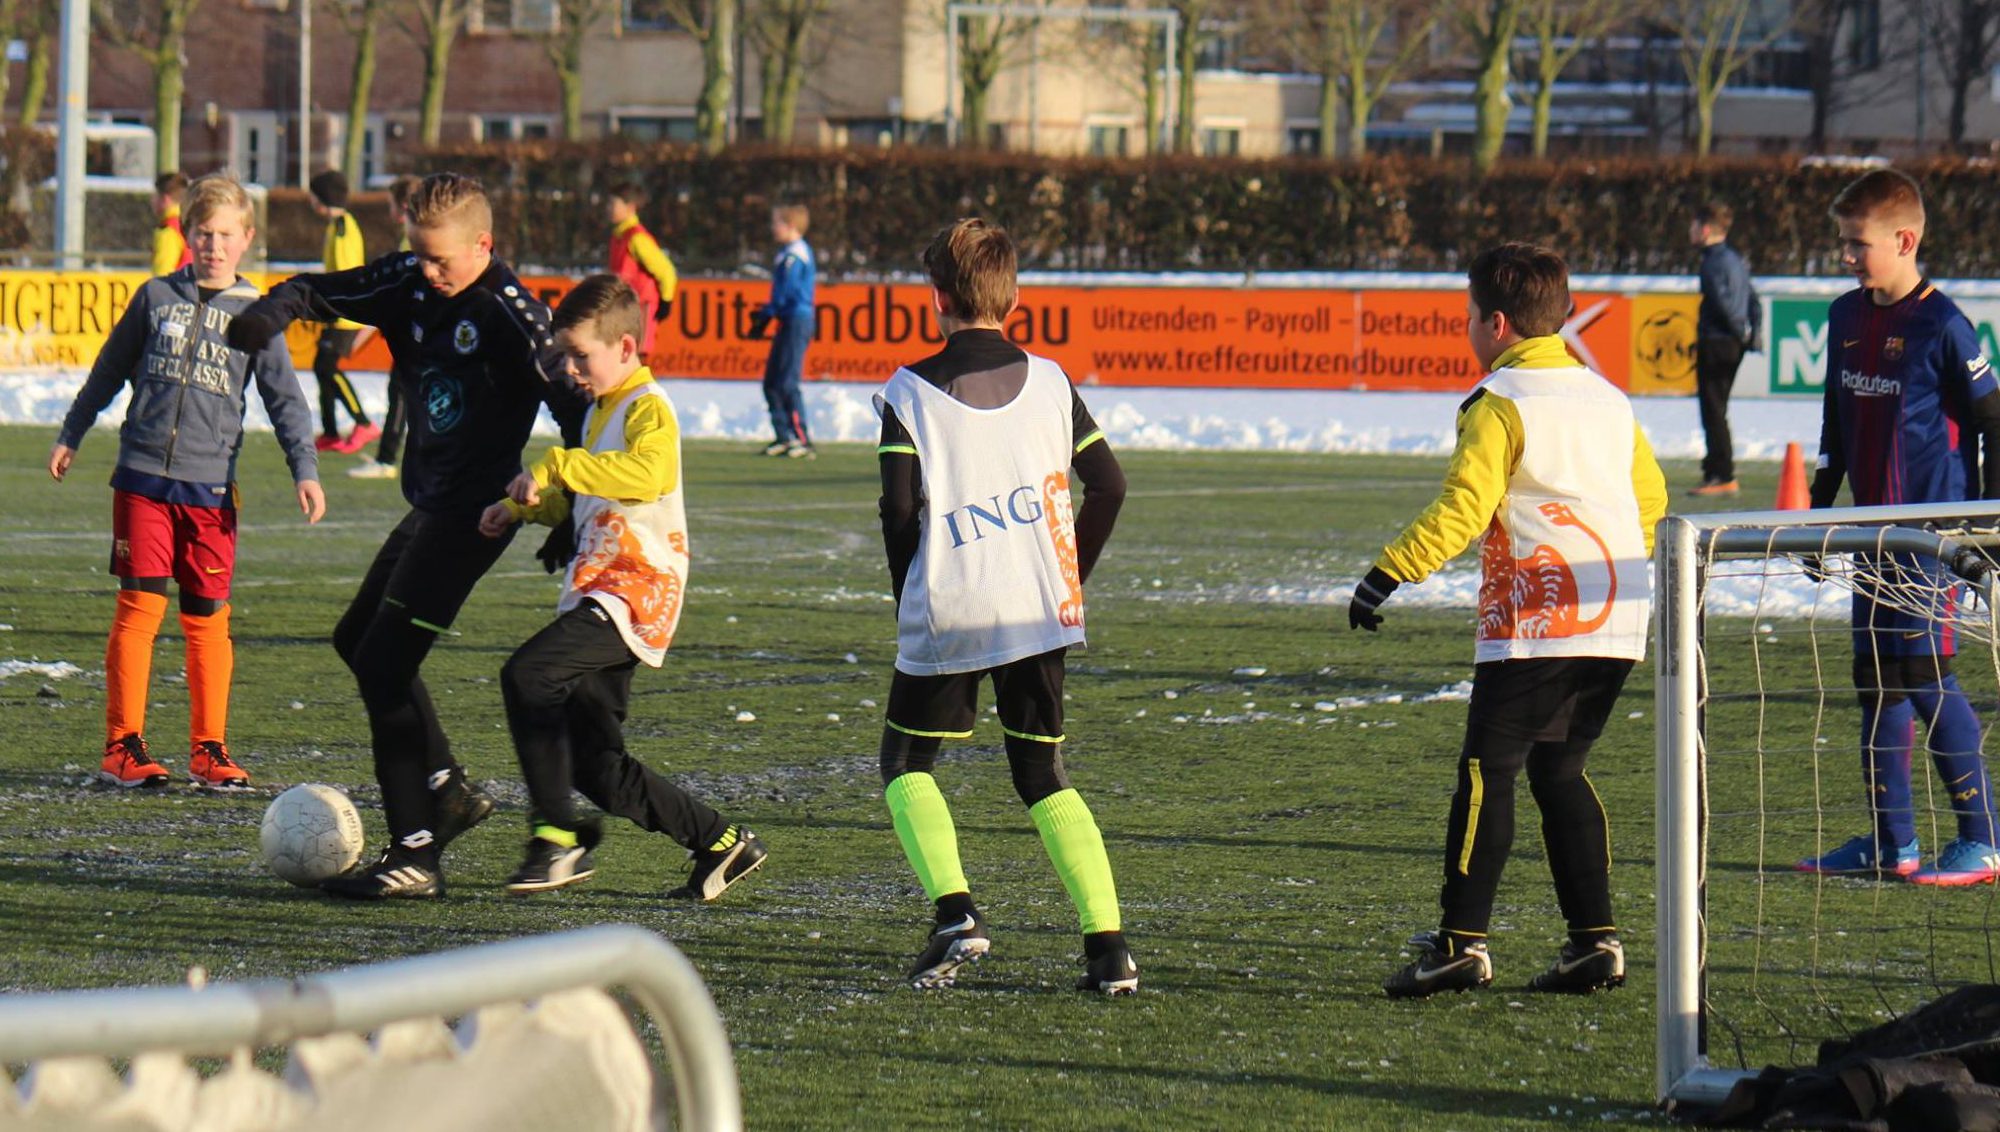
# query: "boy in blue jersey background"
1908,399
793,278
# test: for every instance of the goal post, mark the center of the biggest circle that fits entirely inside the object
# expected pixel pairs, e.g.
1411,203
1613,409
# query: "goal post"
223,1018
1757,551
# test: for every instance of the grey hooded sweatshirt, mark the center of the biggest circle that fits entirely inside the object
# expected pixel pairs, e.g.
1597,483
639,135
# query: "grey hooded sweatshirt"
185,419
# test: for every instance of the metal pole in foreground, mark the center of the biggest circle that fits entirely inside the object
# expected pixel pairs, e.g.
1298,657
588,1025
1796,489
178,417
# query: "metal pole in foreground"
72,99
305,93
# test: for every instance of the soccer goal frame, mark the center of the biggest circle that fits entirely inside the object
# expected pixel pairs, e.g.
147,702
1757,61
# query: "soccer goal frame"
1684,548
218,1018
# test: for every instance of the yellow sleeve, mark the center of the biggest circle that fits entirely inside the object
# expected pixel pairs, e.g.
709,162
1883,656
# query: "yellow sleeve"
167,245
647,251
551,511
1649,485
343,250
648,467
1475,483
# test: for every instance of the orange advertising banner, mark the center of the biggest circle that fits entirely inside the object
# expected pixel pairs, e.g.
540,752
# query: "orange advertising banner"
1228,337
1144,336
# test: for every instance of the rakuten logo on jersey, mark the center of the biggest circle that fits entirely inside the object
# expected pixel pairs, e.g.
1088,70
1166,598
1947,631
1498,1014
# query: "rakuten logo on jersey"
1019,508
1870,385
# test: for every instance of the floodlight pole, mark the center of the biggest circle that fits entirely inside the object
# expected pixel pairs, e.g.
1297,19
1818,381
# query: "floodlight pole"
305,91
73,97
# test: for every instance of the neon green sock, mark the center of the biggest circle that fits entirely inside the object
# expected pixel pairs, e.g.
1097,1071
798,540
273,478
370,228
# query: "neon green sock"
923,825
556,834
1069,833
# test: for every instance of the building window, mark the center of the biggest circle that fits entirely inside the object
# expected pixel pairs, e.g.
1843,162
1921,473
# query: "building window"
1221,141
1864,37
494,16
868,133
1302,141
642,126
514,127
1110,141
1218,48
646,15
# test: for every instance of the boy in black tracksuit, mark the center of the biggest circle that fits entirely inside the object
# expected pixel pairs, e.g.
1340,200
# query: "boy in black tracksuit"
475,351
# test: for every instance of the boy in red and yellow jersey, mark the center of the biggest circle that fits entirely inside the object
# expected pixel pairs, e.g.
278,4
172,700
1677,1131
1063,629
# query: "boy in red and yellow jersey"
1556,479
170,246
567,688
637,259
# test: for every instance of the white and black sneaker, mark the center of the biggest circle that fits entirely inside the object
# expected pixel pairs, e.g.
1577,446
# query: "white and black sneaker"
549,865
396,876
1583,967
458,805
951,945
1441,965
1111,971
712,871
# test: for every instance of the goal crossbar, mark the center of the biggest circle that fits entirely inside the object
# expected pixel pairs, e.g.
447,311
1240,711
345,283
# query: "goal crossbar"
226,1016
1684,546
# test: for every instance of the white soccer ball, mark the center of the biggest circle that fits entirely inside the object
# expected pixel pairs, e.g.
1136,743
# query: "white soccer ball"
310,833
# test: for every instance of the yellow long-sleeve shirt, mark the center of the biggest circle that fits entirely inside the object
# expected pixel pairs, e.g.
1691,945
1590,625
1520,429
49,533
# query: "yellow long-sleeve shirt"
1490,443
343,248
648,467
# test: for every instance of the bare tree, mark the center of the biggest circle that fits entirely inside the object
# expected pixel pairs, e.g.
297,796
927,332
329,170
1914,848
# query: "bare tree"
712,23
39,30
362,20
781,30
563,44
986,45
1716,39
1965,33
11,25
156,31
435,29
1561,29
1356,49
1490,26
1186,50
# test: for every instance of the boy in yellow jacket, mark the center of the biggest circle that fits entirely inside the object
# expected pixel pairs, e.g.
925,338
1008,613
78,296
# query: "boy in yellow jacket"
1554,477
342,249
567,688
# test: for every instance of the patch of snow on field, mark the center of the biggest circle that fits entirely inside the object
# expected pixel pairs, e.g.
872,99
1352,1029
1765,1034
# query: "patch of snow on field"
1179,419
53,670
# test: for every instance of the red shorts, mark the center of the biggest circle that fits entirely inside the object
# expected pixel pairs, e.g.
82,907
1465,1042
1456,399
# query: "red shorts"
195,546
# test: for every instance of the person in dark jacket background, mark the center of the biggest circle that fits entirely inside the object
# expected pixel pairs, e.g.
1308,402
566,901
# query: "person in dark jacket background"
1725,329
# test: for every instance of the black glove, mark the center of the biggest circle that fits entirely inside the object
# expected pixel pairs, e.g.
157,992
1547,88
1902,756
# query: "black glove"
666,308
559,547
759,322
253,330
1370,593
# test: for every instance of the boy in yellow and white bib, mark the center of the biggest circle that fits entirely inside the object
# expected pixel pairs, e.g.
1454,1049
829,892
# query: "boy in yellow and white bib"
988,563
1554,477
567,688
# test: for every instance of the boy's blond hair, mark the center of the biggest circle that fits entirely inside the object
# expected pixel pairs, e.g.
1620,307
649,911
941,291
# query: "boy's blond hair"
1882,194
216,190
795,216
602,307
451,199
972,264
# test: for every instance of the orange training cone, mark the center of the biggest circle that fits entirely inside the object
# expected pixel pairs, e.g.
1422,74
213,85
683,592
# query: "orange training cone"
1792,494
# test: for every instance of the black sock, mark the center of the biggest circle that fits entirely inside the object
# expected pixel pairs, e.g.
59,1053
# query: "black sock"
1098,943
1589,937
955,907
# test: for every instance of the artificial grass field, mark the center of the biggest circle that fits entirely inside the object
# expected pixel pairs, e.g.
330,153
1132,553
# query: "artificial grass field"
1271,858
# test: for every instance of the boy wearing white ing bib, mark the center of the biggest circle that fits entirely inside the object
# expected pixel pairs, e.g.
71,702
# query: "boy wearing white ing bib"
988,552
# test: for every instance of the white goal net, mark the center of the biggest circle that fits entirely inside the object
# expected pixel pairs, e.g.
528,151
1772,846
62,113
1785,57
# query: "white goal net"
520,1036
1761,767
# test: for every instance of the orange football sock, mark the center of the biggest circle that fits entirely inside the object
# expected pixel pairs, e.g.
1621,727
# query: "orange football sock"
128,661
211,661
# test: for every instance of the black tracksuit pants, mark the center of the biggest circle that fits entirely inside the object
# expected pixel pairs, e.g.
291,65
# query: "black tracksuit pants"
1541,715
567,690
413,590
